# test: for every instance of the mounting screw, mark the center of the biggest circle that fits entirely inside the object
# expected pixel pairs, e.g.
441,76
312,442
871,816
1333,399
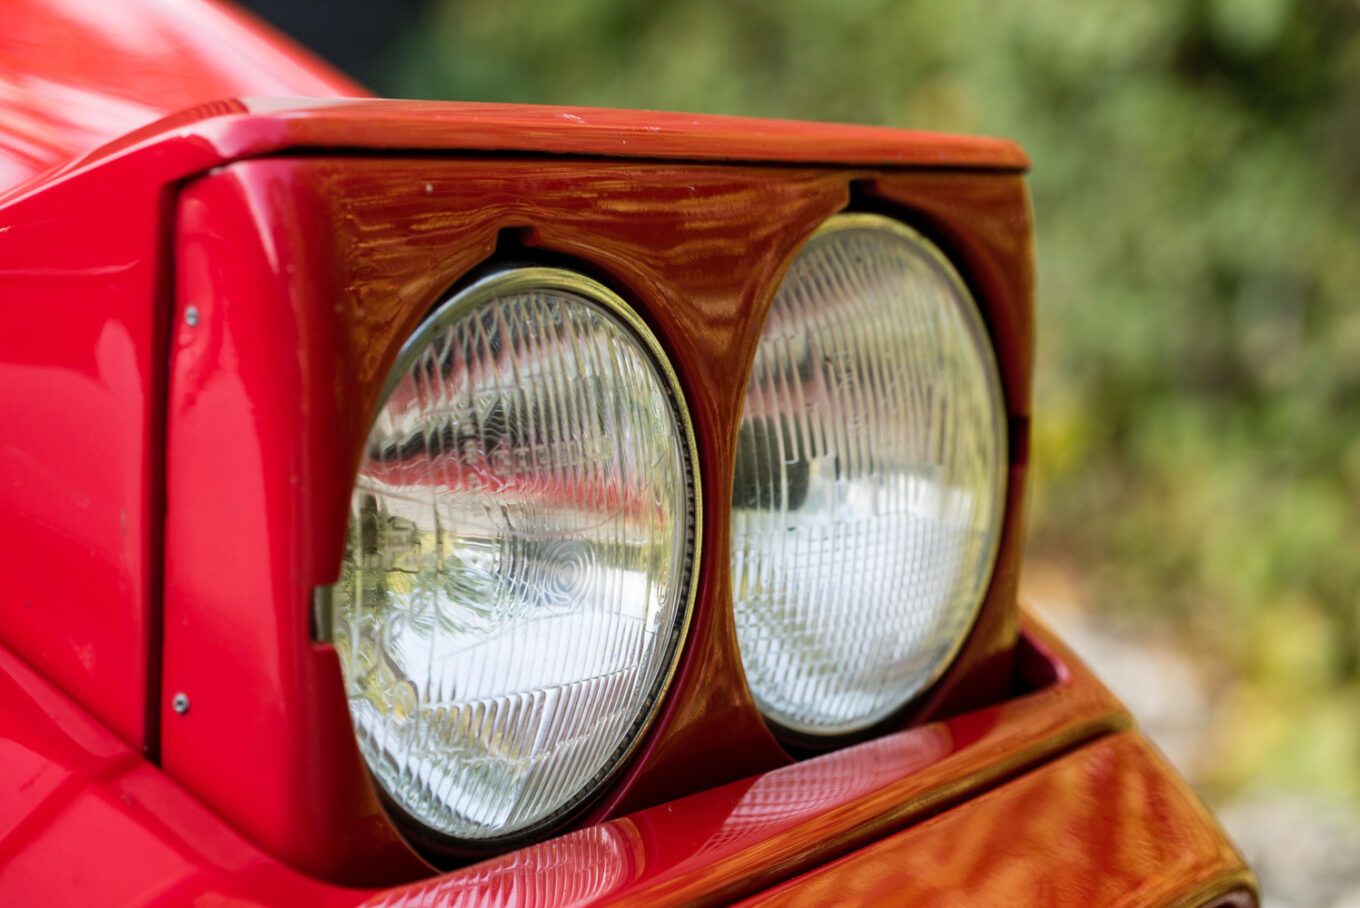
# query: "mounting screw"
180,703
191,316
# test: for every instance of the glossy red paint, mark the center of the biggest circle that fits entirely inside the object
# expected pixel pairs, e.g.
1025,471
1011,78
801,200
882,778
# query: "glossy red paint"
85,820
1109,824
254,127
82,268
83,271
530,129
75,75
307,275
94,823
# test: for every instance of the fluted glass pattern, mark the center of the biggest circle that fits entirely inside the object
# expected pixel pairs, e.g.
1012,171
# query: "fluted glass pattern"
870,480
516,576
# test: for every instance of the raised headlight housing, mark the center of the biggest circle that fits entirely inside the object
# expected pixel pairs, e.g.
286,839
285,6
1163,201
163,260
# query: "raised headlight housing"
519,569
870,480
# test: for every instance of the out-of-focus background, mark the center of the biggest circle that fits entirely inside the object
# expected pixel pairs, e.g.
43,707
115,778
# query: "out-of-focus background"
1195,517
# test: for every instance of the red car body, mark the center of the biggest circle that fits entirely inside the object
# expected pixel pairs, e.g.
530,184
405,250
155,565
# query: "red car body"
203,296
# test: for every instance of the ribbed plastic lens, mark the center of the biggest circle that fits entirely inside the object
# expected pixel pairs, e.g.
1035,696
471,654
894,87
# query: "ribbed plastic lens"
870,480
517,575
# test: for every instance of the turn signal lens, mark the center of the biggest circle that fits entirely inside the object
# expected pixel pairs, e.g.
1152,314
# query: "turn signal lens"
870,480
519,568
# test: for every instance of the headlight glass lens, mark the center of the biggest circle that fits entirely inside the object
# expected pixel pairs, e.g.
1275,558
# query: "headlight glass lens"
518,571
870,480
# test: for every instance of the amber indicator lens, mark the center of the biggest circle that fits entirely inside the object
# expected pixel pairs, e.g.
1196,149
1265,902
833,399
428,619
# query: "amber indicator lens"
518,573
870,480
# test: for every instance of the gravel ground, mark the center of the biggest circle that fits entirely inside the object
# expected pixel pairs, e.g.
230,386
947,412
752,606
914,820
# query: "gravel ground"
1306,852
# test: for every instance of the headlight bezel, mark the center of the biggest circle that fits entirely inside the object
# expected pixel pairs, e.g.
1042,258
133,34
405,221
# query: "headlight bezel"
972,308
308,273
484,285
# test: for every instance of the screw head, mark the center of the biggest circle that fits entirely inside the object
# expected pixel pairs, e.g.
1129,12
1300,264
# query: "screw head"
180,703
191,316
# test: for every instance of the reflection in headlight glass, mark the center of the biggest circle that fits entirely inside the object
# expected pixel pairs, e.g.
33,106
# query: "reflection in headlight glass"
517,571
870,480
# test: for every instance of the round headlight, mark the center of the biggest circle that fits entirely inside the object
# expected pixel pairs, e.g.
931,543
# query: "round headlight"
870,480
519,568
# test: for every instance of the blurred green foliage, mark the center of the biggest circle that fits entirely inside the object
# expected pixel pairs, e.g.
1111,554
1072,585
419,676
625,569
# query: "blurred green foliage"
1196,187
